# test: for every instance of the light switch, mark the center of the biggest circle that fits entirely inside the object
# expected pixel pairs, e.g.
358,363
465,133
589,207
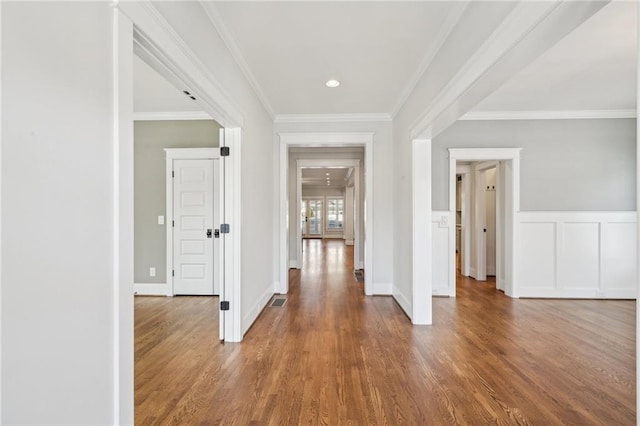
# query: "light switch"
160,220
152,272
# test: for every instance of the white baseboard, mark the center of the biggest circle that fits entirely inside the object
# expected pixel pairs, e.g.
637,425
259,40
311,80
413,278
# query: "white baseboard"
440,292
151,289
293,264
382,289
253,313
586,293
403,301
349,242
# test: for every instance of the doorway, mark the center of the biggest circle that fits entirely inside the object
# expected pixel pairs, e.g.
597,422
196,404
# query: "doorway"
311,218
472,165
289,208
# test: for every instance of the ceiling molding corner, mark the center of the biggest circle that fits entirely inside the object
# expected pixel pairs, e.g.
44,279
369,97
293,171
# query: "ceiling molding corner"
548,115
218,23
529,30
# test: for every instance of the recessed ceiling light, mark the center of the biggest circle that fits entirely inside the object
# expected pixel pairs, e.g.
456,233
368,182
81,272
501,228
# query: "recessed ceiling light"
332,83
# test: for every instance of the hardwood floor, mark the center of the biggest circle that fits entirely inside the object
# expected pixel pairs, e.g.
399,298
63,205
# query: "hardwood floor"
333,356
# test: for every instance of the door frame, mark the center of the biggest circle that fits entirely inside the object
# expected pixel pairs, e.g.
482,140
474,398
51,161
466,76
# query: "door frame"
510,175
136,27
329,163
173,154
327,140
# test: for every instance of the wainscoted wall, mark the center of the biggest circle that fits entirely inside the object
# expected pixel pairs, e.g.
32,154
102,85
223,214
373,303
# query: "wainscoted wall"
577,254
560,254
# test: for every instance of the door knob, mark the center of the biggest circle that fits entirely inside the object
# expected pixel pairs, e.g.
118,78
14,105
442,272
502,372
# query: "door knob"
209,233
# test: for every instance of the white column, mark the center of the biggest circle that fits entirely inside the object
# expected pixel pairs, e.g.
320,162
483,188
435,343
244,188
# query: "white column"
123,218
348,216
422,240
638,213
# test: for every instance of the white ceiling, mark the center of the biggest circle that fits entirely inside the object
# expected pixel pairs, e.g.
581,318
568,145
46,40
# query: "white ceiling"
293,48
376,49
592,68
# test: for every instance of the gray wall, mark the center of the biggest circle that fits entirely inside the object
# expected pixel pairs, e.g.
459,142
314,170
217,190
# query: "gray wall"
150,139
566,165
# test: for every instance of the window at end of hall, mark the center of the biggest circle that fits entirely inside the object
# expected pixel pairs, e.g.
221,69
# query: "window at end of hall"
335,213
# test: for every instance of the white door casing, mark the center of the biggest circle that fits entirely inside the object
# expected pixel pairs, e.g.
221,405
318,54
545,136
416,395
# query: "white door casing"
509,182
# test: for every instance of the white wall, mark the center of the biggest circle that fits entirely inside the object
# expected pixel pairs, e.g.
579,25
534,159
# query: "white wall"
258,206
57,225
382,206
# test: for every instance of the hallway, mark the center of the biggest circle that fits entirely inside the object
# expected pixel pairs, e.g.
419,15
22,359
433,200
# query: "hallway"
333,356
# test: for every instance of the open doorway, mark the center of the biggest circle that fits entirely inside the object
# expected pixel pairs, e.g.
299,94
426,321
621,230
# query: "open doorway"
340,151
328,199
329,209
484,194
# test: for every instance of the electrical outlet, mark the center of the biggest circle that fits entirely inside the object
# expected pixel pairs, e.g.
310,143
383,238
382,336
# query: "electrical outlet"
152,272
160,220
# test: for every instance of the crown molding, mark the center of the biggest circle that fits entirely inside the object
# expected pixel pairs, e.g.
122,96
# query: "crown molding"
331,118
445,30
171,115
218,23
549,115
528,30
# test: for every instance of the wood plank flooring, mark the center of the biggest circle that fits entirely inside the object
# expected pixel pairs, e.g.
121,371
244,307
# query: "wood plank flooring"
333,356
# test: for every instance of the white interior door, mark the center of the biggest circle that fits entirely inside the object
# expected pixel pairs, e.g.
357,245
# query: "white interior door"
490,221
480,226
193,234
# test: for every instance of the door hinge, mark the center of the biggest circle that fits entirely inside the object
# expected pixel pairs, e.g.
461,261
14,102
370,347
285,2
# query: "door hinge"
173,174
225,228
224,305
224,151
173,223
173,273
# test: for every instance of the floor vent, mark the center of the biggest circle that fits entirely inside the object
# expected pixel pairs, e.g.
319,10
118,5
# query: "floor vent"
278,303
